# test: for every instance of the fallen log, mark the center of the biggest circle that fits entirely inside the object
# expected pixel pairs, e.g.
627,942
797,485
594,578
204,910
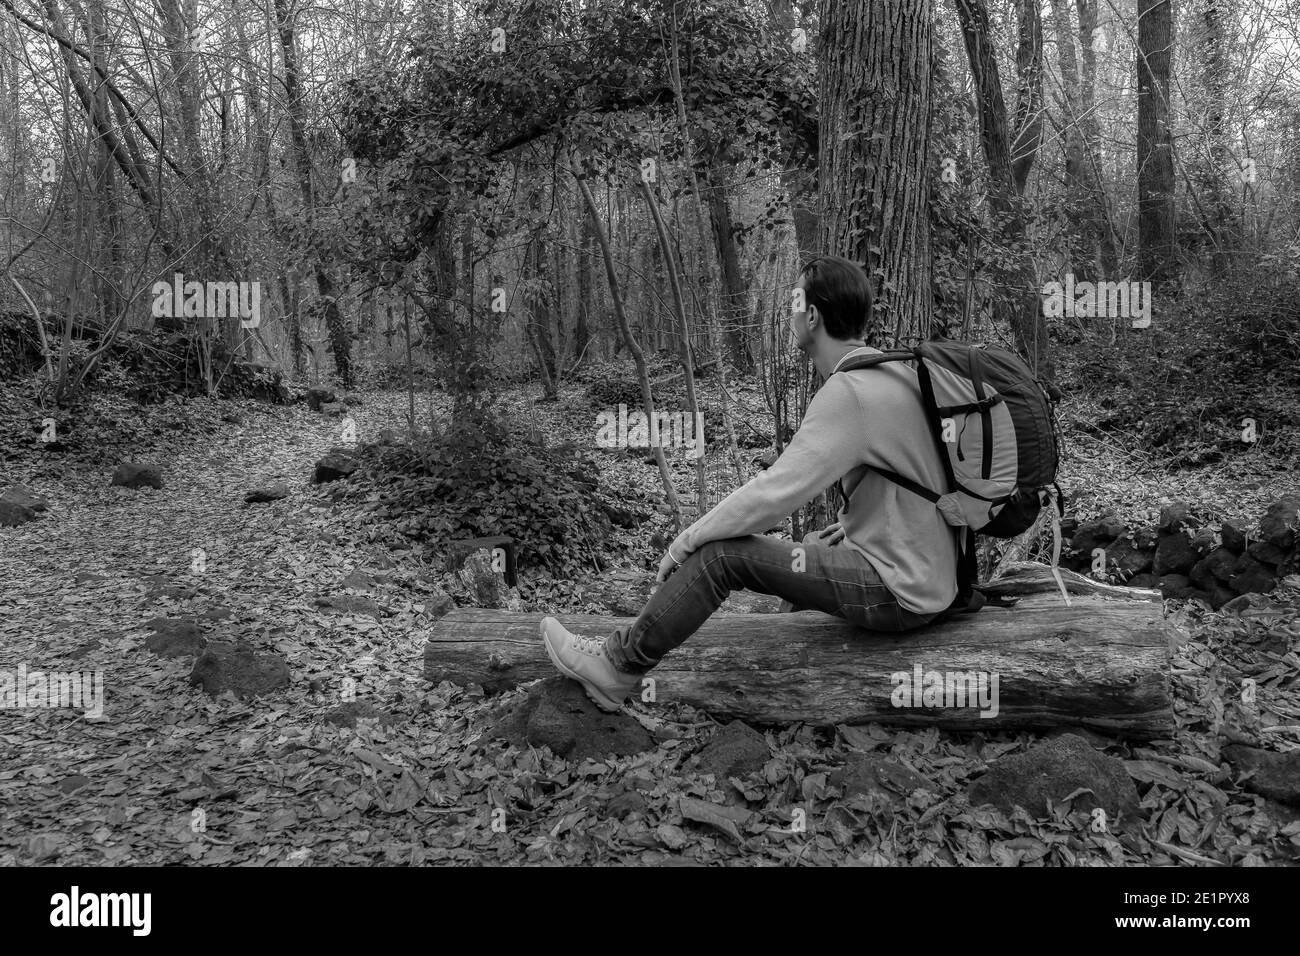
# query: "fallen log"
1100,663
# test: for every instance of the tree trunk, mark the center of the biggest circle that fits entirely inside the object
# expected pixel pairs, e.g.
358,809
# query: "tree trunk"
1077,191
734,296
335,325
647,397
1028,325
1029,97
539,318
586,304
1102,229
688,358
873,77
1155,159
1212,163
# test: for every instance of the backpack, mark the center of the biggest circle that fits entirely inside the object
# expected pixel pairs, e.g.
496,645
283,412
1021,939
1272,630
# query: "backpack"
995,428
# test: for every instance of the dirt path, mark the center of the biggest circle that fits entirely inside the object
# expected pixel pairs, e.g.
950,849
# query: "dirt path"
81,585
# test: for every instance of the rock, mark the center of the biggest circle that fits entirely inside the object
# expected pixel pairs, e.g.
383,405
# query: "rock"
1266,552
175,638
236,667
878,774
1175,586
1219,596
1270,774
1234,533
348,714
556,713
316,397
1145,538
1281,525
269,493
1053,769
1149,581
1215,567
24,497
134,475
1175,554
733,751
335,465
1203,542
175,645
334,409
1249,575
1096,534
1125,559
1175,516
12,515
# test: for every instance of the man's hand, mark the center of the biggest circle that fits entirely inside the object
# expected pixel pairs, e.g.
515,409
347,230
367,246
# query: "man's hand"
669,564
831,534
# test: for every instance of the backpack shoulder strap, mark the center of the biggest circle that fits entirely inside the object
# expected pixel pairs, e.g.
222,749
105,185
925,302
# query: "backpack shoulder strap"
969,599
870,361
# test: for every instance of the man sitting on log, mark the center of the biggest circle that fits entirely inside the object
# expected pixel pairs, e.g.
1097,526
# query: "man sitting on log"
888,564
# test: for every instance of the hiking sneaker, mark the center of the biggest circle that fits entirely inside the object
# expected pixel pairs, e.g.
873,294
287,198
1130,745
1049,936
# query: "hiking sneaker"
583,659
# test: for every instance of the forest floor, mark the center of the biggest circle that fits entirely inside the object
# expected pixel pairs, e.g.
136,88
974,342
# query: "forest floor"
169,775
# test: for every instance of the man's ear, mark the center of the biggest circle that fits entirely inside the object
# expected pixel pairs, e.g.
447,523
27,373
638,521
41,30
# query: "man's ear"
813,316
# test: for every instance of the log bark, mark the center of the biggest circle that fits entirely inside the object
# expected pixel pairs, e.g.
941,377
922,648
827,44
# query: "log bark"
1101,663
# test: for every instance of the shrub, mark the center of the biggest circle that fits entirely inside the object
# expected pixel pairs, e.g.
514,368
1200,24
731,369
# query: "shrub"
612,392
478,479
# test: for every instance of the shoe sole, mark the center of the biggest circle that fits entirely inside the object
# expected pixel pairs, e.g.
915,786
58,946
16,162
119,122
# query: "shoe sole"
607,704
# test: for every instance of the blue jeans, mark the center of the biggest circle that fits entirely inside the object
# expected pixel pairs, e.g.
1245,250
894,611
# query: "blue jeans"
830,578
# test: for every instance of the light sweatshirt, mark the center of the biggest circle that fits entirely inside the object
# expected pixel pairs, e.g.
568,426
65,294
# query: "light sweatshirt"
856,420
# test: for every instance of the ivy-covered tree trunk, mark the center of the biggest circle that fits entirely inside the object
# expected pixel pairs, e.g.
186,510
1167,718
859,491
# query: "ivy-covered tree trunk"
734,296
874,80
335,325
1155,156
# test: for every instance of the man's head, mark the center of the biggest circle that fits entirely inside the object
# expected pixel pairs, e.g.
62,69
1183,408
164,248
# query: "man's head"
837,302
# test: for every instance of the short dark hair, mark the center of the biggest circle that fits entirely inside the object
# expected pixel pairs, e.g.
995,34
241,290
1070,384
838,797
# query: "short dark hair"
842,293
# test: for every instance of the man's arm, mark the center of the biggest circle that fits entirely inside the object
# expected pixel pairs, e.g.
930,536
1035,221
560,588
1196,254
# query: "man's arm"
828,445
